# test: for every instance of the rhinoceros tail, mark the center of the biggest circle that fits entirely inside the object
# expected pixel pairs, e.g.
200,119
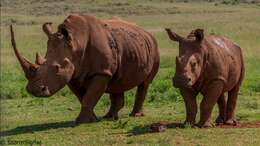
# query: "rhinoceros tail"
242,73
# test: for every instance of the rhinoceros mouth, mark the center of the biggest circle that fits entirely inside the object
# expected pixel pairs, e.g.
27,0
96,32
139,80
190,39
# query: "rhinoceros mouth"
181,83
41,95
43,91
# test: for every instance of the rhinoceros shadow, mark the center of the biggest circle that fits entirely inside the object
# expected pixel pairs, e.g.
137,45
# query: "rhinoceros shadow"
37,128
140,130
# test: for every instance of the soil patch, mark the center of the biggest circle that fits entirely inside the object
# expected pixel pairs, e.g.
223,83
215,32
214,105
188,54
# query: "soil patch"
162,126
242,125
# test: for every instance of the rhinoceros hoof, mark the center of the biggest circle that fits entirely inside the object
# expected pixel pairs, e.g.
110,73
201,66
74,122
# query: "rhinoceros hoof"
137,114
111,116
207,124
220,120
189,123
86,119
231,122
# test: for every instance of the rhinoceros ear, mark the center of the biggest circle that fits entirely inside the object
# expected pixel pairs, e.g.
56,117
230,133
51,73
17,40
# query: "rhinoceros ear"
199,34
65,32
173,36
47,28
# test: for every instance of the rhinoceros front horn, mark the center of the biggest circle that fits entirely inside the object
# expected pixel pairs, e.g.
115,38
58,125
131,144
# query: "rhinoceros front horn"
39,59
46,27
26,65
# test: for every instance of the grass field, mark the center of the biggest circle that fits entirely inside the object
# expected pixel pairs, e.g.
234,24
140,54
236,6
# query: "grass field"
50,120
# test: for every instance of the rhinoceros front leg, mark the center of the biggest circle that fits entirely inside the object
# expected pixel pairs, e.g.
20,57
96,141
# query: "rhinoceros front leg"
190,105
211,95
95,90
117,102
139,100
78,91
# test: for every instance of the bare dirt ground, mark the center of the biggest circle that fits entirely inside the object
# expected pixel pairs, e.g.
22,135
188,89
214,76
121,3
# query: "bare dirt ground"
162,126
242,125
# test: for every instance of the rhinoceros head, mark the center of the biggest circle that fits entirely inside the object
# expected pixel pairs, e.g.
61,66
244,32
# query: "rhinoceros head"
51,73
189,63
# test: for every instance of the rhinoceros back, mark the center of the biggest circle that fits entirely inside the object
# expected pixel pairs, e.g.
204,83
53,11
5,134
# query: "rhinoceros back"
137,55
226,61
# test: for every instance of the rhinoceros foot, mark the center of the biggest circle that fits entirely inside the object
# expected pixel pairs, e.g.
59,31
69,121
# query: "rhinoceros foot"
111,116
231,122
136,114
189,123
207,124
86,117
220,120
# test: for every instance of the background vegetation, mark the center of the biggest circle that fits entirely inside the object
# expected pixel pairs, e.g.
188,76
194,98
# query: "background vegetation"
51,120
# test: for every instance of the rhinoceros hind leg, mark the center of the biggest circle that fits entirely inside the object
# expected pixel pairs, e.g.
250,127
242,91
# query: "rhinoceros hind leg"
139,100
117,102
222,109
231,105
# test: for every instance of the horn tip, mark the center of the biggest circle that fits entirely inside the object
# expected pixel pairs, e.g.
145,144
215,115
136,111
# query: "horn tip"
11,27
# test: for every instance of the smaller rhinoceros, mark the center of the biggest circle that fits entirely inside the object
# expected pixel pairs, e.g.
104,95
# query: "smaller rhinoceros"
94,56
211,65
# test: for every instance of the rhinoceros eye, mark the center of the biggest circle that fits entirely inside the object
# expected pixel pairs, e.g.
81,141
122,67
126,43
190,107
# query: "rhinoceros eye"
56,67
60,36
33,70
193,64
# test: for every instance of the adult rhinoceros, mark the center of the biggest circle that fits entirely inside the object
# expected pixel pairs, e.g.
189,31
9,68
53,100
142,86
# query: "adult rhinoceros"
93,57
211,65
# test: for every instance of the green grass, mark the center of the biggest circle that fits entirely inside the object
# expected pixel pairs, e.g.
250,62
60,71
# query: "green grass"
50,120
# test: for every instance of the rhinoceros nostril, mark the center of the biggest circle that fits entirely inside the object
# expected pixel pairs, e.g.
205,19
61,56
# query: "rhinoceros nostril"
43,88
28,88
44,91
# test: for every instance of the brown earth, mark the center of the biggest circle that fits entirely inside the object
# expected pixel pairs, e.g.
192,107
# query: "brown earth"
162,126
255,124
